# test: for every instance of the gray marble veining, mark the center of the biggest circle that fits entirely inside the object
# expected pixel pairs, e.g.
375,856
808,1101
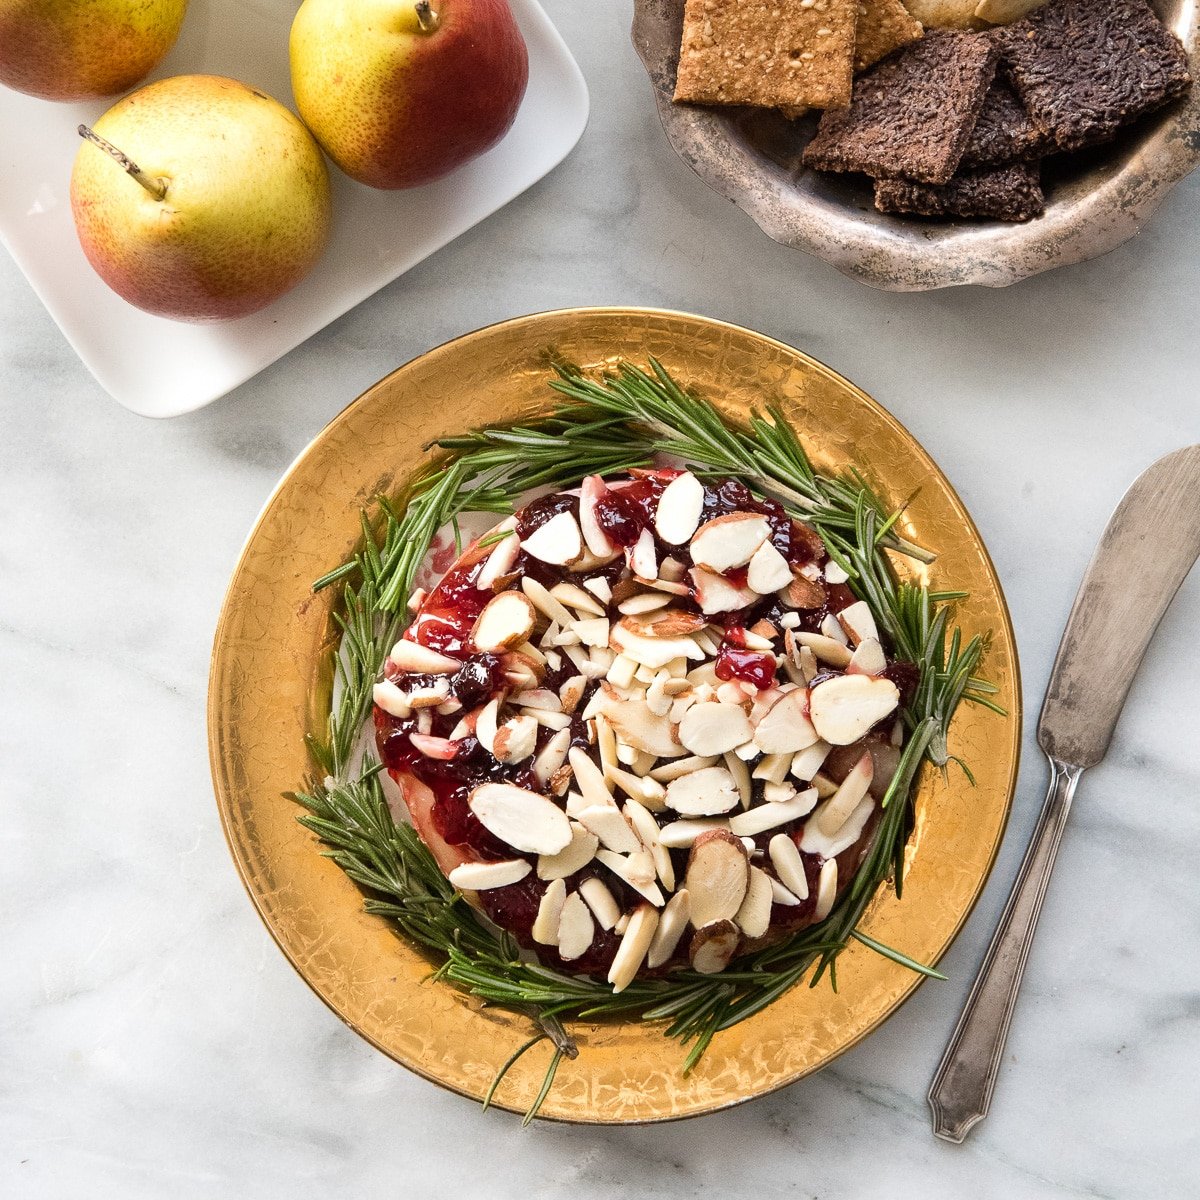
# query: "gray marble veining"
153,1040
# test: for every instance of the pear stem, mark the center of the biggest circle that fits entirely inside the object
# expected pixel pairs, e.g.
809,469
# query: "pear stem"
426,17
155,187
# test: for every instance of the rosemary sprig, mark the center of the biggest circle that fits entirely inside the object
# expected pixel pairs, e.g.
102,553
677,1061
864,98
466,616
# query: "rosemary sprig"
604,427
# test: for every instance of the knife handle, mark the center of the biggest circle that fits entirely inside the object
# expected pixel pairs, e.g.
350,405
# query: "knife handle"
961,1091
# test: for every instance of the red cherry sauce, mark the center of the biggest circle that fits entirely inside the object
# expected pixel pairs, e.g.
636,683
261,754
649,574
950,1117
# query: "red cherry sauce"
735,661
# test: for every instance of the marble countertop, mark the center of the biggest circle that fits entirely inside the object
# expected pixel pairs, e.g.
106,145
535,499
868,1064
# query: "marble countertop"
155,1042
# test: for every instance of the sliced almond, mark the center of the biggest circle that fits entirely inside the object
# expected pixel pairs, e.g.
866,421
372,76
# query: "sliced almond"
527,821
826,649
598,542
600,900
600,588
590,779
680,835
803,592
635,942
788,864
682,766
786,727
826,889
772,768
729,541
544,602
808,762
867,659
859,623
431,696
835,812
834,573
592,632
847,707
502,559
558,541
649,793
768,571
679,507
637,726
741,778
713,728
574,596
571,692
705,793
778,793
573,857
545,924
483,876
754,916
542,699
439,748
607,823
515,740
716,594
486,724
552,756
643,558
632,868
713,947
832,629
415,659
644,602
649,650
575,928
770,816
718,874
671,923
671,623
391,699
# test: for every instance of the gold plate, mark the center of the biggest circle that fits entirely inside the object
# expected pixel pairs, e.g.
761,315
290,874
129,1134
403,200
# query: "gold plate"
271,679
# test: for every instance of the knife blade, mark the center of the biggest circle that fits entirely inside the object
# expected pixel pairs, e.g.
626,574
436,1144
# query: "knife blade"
1150,544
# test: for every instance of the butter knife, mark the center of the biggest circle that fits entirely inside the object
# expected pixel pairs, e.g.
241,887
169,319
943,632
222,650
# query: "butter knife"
1146,552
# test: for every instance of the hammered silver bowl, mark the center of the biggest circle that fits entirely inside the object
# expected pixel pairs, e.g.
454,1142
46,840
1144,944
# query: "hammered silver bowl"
1095,200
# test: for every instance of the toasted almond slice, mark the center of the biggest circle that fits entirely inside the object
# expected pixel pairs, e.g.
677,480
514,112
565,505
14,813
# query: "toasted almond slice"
573,857
814,841
482,876
859,623
867,659
644,602
600,900
741,778
681,835
718,874
808,762
575,928
391,699
621,673
515,740
716,594
828,651
644,825
773,767
657,700
705,793
754,916
600,588
682,766
802,592
632,868
502,559
786,727
544,602
826,889
781,895
834,573
552,756
790,620
571,692
713,728
789,866
589,778
835,812
572,595
607,823
768,571
845,708
487,723
637,726
679,507
642,556
713,947
832,629
635,942
671,623
671,923
649,793
729,541
651,651
439,748
431,696
557,542
545,925
770,816
539,698
527,821
778,793
415,659
592,632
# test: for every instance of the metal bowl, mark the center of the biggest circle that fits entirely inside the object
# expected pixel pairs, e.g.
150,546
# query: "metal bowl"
1095,200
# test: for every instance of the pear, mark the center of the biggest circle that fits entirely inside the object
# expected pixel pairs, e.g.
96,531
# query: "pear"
200,198
400,92
79,49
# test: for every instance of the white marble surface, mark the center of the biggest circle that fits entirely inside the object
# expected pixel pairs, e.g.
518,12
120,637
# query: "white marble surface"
155,1042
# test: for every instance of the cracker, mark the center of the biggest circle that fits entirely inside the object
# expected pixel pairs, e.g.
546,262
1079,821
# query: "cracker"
883,26
1084,68
768,53
1010,193
1004,132
912,115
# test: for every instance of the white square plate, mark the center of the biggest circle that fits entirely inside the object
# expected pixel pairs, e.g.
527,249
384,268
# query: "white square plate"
162,368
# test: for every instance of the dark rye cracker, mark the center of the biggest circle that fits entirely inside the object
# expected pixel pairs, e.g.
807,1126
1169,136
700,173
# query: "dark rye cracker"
1084,68
1004,132
767,53
910,117
1009,193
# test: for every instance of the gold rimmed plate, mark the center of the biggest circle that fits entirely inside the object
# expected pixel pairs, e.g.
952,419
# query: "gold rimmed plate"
271,684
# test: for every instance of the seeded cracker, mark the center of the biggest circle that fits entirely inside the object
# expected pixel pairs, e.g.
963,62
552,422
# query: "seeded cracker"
1004,133
1010,193
911,116
1084,68
768,53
